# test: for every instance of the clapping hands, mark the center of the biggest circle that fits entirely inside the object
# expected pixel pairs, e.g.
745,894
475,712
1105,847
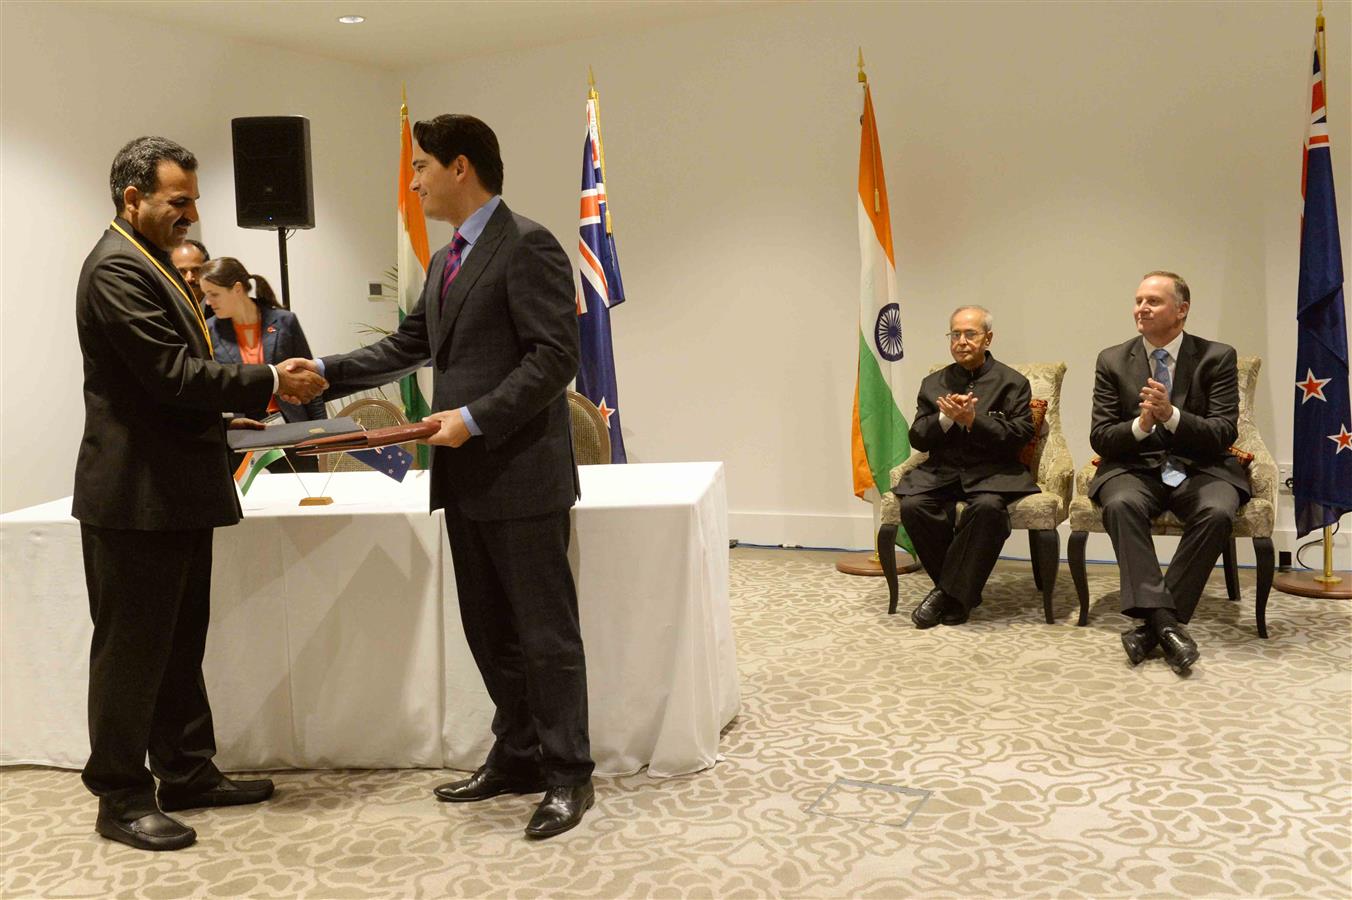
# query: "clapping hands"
1155,405
961,408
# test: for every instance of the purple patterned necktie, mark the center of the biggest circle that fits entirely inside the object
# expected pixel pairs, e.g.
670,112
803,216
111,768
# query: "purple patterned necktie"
458,245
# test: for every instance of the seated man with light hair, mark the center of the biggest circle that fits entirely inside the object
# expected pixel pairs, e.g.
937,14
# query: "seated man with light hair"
1166,410
972,417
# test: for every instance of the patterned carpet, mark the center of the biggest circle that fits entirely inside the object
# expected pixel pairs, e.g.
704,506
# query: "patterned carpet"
1002,758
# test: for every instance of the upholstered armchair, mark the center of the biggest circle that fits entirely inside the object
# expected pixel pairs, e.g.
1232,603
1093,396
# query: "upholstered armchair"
1038,513
1254,519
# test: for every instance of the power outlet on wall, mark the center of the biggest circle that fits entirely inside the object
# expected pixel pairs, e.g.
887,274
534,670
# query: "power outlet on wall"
1283,475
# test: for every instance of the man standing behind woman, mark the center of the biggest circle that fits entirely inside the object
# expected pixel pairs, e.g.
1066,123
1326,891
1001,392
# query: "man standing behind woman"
255,329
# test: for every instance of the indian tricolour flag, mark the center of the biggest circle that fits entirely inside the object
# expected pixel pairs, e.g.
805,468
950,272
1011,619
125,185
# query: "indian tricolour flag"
878,435
254,462
412,258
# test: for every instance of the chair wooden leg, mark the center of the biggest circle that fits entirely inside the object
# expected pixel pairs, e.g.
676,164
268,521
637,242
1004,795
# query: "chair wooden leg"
887,558
1034,548
1075,556
1262,549
1046,544
1231,570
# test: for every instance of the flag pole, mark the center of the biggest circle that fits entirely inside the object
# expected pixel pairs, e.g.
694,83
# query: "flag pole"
869,564
595,98
1321,585
1320,47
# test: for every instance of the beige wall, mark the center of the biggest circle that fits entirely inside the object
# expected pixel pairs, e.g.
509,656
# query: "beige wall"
76,87
1040,157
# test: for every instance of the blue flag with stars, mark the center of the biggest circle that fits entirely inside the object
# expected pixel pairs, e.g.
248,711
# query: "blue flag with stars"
599,267
1322,448
392,460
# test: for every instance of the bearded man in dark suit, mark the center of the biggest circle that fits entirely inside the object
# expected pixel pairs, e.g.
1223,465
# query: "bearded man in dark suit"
1166,410
498,319
973,418
151,482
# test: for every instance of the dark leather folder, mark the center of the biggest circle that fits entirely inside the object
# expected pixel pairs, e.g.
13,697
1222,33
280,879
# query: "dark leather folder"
287,435
366,440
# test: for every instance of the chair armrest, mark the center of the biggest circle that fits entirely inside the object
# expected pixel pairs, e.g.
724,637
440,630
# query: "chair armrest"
1058,471
1262,471
907,465
1083,477
889,511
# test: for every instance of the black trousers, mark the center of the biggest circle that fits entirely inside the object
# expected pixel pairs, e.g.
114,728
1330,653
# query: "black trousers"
1205,505
958,552
518,605
149,597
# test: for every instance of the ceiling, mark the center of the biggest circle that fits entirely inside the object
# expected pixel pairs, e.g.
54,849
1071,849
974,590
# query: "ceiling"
403,34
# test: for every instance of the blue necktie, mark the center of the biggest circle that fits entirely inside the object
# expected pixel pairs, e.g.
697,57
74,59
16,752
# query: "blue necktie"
1172,473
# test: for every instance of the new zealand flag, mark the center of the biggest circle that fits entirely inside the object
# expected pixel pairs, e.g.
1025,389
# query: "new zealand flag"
601,289
1321,474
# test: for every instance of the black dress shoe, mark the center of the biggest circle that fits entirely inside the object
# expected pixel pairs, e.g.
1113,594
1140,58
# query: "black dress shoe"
1139,642
929,612
955,613
561,810
155,831
225,793
1180,650
486,783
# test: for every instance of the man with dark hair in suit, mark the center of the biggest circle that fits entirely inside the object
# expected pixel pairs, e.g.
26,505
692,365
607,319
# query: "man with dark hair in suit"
973,418
498,320
1166,409
189,257
151,482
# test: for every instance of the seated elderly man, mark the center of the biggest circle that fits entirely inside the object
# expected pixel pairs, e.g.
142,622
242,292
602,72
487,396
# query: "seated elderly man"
973,418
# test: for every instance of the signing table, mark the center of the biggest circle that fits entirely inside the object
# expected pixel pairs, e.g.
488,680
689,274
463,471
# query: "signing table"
335,637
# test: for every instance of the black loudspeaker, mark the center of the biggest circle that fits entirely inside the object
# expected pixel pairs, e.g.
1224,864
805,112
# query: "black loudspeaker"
273,185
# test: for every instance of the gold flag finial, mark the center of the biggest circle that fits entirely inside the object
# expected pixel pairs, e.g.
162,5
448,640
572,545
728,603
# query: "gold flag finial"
591,84
403,100
863,79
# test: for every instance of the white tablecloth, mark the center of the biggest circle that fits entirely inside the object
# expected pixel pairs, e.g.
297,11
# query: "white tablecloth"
336,642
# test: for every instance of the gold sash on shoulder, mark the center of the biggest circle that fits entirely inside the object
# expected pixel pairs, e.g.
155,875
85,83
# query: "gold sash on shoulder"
192,304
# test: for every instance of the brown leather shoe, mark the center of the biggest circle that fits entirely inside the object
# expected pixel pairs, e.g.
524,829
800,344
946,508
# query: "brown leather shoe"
1180,650
562,809
486,783
227,792
1139,642
155,831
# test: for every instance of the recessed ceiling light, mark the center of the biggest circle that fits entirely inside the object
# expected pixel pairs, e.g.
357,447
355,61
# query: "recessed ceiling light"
352,20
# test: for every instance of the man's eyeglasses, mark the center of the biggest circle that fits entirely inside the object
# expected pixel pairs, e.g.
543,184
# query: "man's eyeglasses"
968,336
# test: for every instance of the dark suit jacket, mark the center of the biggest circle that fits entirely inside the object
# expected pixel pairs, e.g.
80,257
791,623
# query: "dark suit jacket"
153,456
282,339
985,458
1206,392
504,342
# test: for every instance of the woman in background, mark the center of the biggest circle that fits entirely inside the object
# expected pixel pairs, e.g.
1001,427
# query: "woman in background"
255,329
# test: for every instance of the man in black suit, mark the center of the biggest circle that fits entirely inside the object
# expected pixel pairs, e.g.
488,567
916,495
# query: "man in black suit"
973,418
498,320
1166,409
189,257
151,482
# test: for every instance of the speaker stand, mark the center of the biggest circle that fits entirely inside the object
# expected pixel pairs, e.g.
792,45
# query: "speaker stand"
286,279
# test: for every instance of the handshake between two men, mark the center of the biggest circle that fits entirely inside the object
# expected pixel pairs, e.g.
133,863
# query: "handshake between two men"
300,380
